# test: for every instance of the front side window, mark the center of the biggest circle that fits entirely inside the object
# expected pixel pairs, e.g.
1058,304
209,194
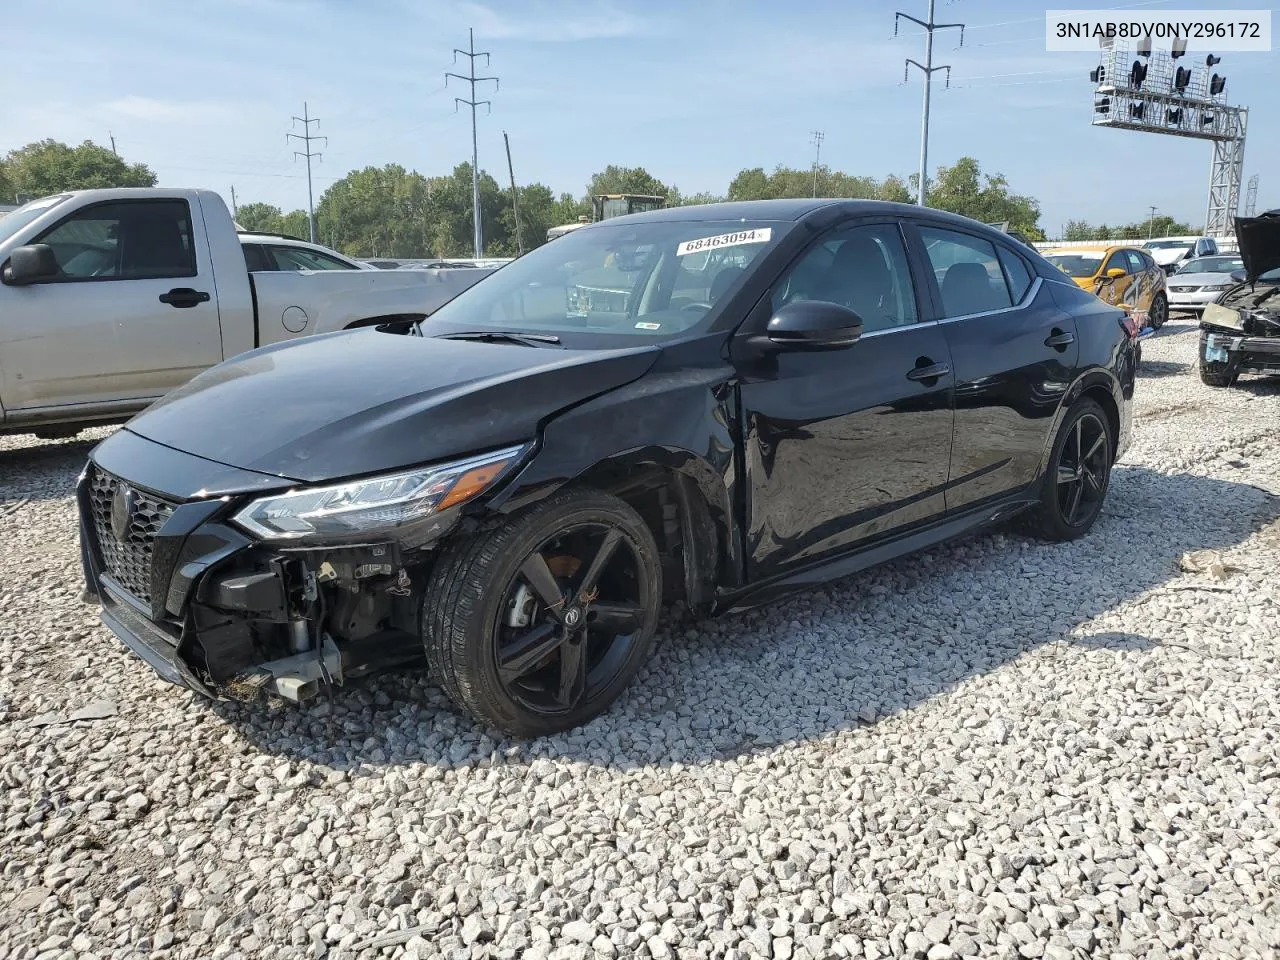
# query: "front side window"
1135,261
968,272
651,280
125,240
300,258
1117,261
863,268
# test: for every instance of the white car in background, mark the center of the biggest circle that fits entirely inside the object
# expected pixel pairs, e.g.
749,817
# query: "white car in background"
1169,252
1201,281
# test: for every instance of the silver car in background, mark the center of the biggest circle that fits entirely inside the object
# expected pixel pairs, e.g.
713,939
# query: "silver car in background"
1201,281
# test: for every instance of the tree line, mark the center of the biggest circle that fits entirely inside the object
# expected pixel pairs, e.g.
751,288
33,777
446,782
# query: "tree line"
1161,226
391,211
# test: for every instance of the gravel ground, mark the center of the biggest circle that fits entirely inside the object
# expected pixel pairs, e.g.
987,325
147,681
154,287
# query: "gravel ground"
997,748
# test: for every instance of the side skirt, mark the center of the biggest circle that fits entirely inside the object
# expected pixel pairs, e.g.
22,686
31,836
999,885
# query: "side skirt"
768,591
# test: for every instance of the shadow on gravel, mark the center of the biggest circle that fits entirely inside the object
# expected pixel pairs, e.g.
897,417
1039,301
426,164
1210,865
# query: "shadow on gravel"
1258,386
853,653
1161,368
43,469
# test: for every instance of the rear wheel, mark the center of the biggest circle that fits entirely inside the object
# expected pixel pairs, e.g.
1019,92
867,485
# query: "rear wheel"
1079,474
536,626
1159,311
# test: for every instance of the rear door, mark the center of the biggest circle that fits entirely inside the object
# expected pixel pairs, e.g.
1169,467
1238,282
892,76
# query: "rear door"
844,447
131,316
1014,352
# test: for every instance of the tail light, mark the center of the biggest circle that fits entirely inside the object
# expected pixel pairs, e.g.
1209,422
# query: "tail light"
1130,326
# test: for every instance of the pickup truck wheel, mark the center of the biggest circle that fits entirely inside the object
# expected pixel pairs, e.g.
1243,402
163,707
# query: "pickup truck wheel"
1079,474
536,626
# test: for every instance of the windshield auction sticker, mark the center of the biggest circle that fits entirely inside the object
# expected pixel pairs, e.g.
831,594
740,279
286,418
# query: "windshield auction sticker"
758,235
1196,31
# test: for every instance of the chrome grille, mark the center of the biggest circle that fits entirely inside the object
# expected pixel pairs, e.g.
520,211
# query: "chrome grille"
127,560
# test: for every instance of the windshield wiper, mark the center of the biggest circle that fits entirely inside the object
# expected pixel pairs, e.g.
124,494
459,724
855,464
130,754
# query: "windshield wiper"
504,336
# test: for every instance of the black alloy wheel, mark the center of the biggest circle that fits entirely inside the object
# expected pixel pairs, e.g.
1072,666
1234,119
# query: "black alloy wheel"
537,625
1079,474
1159,312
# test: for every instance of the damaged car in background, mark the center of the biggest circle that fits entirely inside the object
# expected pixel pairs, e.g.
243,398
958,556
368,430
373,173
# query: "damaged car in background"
702,407
1240,332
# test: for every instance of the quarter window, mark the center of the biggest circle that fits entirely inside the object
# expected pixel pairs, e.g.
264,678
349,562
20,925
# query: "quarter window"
863,268
1016,273
139,240
968,272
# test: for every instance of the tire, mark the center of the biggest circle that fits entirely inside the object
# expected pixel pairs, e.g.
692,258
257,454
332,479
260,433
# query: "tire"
1159,312
1216,373
577,653
1054,518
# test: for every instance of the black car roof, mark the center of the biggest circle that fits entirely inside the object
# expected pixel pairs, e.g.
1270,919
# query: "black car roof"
798,209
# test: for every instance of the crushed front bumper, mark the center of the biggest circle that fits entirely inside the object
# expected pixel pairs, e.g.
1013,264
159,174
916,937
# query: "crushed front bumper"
1246,354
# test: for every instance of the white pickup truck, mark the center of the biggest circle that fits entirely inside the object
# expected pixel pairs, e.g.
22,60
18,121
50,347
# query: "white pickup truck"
111,298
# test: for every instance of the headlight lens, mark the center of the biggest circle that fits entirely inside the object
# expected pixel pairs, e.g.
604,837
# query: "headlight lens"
374,503
1215,286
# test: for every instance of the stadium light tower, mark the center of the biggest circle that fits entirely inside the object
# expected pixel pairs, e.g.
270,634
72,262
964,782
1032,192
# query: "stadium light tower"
1149,90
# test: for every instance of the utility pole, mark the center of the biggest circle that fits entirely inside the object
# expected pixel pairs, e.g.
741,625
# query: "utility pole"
816,140
928,69
1151,222
306,137
234,211
472,79
515,197
112,138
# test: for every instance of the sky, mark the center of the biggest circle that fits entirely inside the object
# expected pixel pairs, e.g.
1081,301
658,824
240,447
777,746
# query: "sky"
693,90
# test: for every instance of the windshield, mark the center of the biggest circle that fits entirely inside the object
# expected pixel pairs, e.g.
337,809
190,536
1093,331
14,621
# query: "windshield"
621,282
11,223
1076,264
1167,245
1212,265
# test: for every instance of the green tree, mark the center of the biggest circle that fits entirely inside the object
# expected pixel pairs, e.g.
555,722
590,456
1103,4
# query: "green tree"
259,217
295,224
964,189
704,196
7,192
48,166
615,179
755,184
1078,230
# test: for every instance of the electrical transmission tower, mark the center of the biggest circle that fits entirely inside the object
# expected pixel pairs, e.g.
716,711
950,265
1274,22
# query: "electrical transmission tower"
1251,197
816,140
928,69
306,137
472,79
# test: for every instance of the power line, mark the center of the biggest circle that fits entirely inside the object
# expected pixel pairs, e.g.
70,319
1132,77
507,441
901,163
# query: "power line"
472,79
928,69
307,120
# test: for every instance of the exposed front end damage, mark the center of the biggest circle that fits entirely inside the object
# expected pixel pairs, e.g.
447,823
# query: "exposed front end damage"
211,608
1241,334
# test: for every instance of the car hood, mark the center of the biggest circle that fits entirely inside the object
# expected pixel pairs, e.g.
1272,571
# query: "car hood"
1200,279
1167,255
1259,239
360,402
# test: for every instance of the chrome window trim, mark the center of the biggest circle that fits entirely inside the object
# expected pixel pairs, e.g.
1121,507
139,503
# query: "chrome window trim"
1030,295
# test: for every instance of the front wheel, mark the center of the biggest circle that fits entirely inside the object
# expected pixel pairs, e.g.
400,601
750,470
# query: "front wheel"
1079,474
1159,311
535,627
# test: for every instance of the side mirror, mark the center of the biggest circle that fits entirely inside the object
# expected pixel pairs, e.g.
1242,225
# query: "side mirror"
1115,272
811,325
31,264
1239,276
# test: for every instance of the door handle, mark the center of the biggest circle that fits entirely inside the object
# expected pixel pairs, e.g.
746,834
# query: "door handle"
925,370
183,297
1059,339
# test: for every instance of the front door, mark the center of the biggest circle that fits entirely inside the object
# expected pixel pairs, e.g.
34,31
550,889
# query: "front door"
1015,355
846,446
112,327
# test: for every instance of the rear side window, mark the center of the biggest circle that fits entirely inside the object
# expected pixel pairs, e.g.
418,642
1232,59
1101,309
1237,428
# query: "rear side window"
968,272
1016,273
255,258
126,240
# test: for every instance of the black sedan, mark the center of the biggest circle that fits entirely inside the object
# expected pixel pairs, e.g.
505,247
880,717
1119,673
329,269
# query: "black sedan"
705,406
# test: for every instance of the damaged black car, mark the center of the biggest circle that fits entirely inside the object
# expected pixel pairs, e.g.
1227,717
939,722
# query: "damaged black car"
697,408
1240,332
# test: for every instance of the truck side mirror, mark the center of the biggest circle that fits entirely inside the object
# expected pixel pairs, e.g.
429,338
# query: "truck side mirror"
30,264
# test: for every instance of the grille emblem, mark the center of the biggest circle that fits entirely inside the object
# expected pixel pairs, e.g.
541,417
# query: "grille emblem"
123,505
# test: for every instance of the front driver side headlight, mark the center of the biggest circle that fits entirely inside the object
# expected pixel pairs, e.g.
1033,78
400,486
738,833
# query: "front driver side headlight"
375,504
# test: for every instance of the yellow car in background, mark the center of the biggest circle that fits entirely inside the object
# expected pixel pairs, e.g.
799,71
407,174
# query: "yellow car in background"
1124,276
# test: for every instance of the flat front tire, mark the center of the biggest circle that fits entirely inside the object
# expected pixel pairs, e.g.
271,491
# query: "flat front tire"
1079,474
536,626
